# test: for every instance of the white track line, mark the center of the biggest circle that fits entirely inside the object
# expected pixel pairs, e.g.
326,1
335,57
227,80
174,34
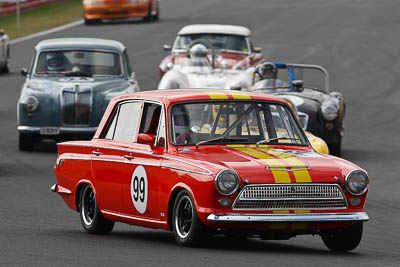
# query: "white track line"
53,30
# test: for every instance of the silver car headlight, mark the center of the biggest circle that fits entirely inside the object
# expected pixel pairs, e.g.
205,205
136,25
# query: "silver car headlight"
357,182
329,110
227,182
30,103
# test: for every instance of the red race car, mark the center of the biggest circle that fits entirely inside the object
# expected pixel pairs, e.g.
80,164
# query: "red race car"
229,45
200,162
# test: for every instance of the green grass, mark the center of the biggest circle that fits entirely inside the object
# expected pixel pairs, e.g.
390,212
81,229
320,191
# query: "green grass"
42,18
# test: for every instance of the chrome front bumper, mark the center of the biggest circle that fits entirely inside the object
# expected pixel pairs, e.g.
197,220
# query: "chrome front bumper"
297,217
63,130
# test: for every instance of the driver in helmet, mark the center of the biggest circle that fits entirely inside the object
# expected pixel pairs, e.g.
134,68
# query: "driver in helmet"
181,123
266,75
55,61
198,60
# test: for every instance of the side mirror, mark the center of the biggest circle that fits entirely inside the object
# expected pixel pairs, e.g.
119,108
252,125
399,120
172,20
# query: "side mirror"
257,49
298,85
24,72
236,87
167,47
147,139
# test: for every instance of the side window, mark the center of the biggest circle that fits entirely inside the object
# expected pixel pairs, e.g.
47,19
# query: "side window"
124,124
128,63
150,118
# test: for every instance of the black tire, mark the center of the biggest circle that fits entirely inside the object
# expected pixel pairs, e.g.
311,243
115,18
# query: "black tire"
26,142
188,229
5,68
148,17
156,17
92,220
92,21
335,148
345,239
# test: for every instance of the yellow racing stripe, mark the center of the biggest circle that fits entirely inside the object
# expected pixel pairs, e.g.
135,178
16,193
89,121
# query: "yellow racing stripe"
239,95
301,176
216,94
279,176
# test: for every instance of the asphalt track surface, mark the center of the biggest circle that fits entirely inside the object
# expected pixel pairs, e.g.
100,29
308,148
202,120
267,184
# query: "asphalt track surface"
357,41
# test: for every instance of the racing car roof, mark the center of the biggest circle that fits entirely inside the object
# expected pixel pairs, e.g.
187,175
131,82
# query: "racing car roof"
80,43
178,95
214,28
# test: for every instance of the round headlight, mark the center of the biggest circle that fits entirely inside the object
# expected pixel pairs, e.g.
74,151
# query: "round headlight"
357,182
329,110
227,182
30,103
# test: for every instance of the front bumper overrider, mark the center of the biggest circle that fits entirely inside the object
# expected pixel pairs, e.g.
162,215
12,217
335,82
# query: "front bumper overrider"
296,217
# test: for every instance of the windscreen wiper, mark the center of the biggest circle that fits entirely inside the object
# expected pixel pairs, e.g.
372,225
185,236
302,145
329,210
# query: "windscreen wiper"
78,74
277,139
221,138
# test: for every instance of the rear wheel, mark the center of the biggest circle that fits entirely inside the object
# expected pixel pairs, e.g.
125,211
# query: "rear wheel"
148,17
188,229
26,142
157,15
345,239
92,220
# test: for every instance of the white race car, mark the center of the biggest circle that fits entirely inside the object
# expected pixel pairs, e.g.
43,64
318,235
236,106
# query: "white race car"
198,71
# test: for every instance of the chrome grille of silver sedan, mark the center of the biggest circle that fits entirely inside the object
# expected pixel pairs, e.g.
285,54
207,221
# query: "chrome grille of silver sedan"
76,105
290,196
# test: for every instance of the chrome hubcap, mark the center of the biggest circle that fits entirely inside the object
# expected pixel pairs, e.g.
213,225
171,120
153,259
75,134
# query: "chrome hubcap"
184,217
88,206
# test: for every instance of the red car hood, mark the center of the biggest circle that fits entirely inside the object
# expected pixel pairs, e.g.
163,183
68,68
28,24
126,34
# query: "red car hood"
270,165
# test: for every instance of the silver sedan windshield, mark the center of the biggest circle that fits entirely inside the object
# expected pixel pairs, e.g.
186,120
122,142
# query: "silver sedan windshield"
88,63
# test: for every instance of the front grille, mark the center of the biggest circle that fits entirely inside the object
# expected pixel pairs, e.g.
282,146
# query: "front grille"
290,196
76,106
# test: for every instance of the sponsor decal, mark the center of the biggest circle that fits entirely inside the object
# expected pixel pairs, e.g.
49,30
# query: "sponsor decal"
186,150
139,189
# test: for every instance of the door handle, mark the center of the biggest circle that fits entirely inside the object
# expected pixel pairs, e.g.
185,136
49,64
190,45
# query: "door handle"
129,157
97,153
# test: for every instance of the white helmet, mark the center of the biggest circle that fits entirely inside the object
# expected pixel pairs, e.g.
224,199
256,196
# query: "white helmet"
198,50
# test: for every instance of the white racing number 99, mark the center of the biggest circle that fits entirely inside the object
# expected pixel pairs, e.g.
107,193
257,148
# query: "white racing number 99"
139,189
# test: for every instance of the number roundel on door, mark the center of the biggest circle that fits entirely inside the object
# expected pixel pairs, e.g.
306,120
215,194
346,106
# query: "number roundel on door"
139,189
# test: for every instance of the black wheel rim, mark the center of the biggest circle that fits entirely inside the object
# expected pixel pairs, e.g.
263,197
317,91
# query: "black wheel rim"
184,217
88,206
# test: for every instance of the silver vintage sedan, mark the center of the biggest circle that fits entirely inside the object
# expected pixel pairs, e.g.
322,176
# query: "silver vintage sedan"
68,87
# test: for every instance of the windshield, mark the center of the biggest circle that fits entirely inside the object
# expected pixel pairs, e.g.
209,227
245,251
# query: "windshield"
199,65
242,122
215,41
81,63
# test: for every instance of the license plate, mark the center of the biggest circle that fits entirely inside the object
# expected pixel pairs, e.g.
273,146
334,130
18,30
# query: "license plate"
49,131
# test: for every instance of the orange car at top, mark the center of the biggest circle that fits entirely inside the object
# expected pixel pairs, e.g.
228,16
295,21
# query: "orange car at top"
96,10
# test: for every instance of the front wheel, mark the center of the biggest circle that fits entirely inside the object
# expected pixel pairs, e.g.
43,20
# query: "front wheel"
92,220
188,229
345,239
25,142
335,148
92,21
